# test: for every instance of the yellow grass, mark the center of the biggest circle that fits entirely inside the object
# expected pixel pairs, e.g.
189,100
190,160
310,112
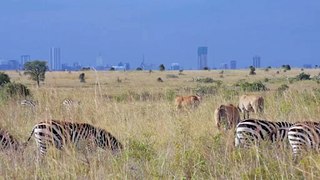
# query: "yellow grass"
159,141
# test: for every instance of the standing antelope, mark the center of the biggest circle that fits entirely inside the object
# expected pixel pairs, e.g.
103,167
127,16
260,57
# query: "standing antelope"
192,101
251,103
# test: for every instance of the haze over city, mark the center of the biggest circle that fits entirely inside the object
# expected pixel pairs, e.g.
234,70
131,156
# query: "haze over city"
162,31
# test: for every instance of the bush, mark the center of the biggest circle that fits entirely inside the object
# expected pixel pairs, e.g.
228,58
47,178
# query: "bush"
303,76
205,80
282,88
172,76
255,86
15,90
4,78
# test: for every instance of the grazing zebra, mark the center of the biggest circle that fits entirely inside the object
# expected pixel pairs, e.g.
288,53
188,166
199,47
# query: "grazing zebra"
8,142
29,103
304,136
61,133
254,130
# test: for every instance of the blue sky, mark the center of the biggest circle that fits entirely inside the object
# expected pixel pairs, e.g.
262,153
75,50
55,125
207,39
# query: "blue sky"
164,31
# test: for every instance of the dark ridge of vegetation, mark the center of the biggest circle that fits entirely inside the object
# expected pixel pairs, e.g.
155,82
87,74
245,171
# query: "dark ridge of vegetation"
255,86
4,78
139,69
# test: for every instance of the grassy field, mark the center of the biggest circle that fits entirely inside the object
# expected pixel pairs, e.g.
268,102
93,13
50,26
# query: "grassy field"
160,142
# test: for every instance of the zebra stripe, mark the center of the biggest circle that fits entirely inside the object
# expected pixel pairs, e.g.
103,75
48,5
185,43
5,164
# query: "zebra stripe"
60,133
70,102
304,136
29,103
254,130
8,142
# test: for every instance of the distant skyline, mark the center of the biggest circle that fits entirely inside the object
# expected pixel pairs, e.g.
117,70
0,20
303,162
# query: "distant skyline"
163,31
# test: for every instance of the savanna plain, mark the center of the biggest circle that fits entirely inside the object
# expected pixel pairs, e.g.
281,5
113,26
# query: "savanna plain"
161,142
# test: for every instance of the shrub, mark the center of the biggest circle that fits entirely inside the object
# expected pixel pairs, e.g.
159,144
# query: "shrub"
172,76
255,86
15,90
303,76
206,90
282,88
205,80
252,70
139,69
82,77
4,78
159,79
286,67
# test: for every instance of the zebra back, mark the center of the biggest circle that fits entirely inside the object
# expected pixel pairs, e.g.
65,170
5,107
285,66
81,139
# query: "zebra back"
61,133
255,130
304,135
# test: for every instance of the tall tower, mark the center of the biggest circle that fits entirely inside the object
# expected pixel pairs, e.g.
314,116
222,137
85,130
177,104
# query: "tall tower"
256,61
233,64
55,61
202,57
24,59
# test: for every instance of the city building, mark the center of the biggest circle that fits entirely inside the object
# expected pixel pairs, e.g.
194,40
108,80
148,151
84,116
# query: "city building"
23,60
175,66
256,61
202,57
233,64
224,66
55,59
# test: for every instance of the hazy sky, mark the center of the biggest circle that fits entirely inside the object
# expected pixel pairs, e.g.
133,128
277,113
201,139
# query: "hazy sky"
165,31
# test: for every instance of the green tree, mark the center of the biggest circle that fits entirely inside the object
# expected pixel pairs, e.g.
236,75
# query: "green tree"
161,67
4,78
36,70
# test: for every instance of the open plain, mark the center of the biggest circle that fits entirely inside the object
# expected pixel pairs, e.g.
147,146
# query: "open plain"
161,142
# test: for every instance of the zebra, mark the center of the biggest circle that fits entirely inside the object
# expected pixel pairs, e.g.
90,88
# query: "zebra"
68,103
61,133
255,130
8,142
304,136
29,103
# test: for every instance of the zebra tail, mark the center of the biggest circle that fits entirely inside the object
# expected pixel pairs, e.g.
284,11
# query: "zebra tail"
29,137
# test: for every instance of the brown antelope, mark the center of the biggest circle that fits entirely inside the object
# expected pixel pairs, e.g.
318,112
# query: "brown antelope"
192,101
227,116
251,103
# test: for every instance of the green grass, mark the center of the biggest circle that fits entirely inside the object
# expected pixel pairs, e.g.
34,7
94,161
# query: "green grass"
160,143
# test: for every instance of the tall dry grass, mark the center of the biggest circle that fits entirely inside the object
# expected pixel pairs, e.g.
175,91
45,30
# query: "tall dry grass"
160,143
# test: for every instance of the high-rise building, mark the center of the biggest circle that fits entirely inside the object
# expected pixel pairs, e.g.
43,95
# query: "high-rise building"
233,64
256,61
24,59
55,59
202,57
175,66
